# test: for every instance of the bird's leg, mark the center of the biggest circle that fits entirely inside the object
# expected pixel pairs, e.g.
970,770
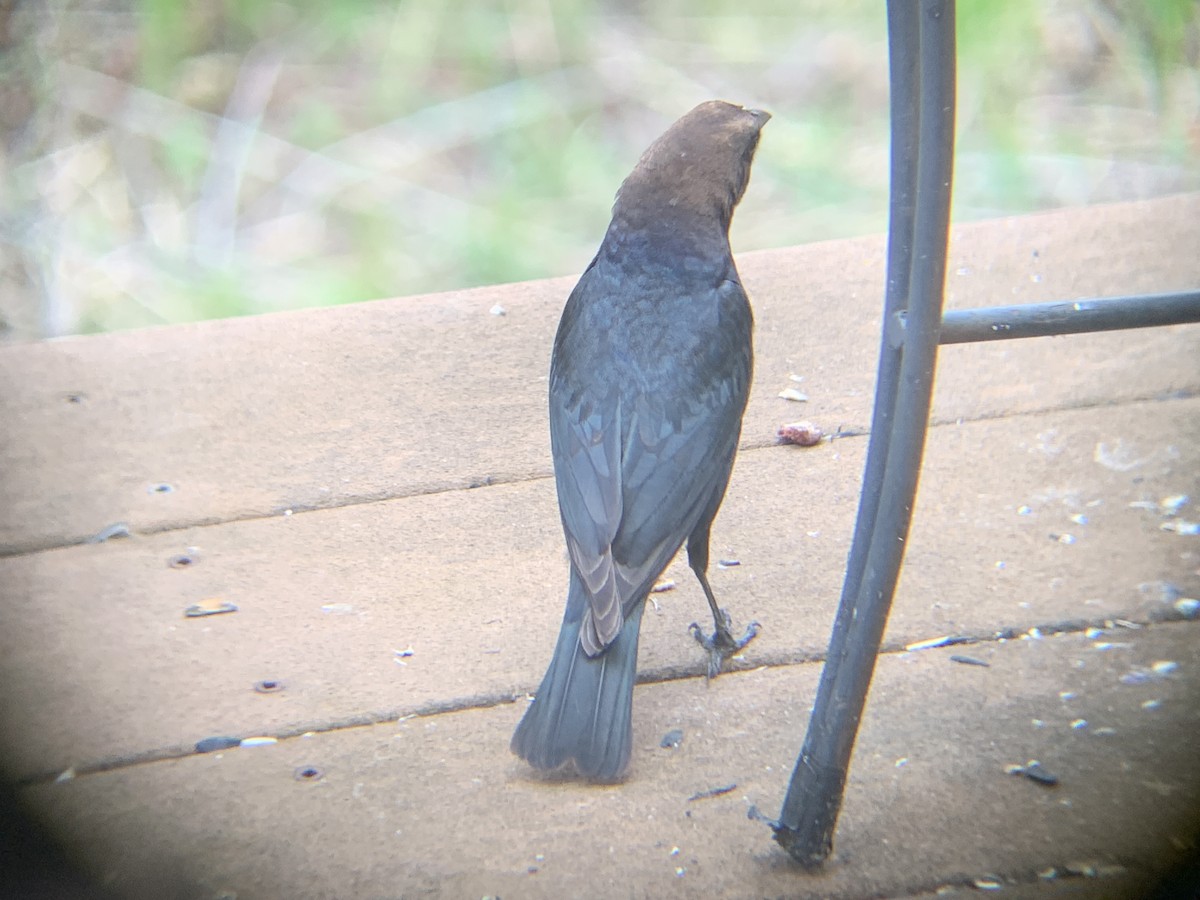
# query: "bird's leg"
721,644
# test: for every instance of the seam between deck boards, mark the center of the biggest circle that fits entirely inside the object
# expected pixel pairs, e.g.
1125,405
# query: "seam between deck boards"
482,481
659,675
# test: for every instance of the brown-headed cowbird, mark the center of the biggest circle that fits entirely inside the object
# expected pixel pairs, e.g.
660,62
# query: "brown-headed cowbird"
648,382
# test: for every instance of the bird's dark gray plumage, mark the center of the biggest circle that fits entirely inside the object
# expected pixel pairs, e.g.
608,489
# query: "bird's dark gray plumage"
648,382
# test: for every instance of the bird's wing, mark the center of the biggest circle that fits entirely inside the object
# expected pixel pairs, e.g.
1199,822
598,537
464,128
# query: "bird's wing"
634,475
586,435
674,460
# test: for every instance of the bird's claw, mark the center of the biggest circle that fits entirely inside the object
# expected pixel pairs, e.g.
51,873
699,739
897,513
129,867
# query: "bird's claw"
721,644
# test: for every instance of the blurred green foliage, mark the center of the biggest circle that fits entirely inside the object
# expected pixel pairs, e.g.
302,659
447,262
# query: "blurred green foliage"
194,159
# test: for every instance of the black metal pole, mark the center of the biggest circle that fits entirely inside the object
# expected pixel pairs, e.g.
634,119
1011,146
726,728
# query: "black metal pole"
825,786
905,106
999,323
814,795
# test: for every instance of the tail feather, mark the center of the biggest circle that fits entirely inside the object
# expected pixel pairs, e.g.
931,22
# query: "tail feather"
582,711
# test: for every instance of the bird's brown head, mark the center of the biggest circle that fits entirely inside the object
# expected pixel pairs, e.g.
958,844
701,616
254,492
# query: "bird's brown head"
699,167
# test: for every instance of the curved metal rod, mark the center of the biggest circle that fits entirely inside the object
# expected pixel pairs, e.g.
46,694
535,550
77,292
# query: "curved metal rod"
902,398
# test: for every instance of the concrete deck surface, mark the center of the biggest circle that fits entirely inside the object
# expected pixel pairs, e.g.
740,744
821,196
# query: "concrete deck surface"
373,479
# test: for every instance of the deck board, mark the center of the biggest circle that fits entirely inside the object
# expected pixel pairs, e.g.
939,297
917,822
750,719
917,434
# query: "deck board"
376,477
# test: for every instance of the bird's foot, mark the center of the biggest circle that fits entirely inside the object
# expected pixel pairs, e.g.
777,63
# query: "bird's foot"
721,644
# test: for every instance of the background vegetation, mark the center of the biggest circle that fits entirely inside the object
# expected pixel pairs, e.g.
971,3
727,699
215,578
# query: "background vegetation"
166,161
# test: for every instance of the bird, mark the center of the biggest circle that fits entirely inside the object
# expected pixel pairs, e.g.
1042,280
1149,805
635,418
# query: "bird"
649,376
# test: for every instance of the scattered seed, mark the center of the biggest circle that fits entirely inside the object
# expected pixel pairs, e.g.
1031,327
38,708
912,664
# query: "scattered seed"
308,773
498,310
269,686
843,432
339,609
115,530
212,744
211,606
728,563
1180,526
802,434
712,792
672,739
663,586
930,643
793,395
1034,771
160,488
182,561
970,660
